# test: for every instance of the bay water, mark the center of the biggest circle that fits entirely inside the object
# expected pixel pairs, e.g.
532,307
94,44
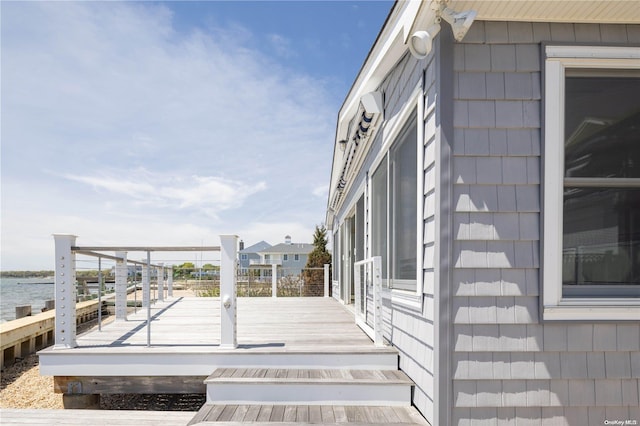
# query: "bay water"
24,291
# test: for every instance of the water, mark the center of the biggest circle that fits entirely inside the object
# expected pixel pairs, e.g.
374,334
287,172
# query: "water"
23,291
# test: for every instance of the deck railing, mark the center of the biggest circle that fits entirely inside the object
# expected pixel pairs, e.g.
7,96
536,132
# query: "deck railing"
368,286
313,282
65,281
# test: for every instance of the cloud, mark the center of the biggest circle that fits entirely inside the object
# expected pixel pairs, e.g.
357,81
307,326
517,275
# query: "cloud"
208,194
321,191
117,124
281,45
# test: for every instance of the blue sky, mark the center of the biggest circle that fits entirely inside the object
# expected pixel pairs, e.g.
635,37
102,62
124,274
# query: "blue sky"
170,123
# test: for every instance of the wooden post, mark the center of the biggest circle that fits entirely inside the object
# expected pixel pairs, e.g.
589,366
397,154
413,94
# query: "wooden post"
228,291
161,282
274,280
170,281
326,280
121,286
65,290
23,311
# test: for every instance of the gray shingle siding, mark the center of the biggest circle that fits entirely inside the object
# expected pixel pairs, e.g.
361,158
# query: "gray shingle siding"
508,367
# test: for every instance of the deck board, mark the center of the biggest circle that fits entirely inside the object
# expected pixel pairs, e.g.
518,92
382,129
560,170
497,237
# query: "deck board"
326,414
264,324
32,417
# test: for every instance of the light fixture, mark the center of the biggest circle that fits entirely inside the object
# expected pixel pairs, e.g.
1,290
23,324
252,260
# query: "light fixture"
421,42
372,102
460,21
342,144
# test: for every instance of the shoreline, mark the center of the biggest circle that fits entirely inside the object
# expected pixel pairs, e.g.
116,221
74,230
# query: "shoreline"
22,386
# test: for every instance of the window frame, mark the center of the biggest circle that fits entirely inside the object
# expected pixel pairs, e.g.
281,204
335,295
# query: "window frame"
394,128
557,58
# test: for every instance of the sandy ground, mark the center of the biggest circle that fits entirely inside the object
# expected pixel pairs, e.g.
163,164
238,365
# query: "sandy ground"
22,386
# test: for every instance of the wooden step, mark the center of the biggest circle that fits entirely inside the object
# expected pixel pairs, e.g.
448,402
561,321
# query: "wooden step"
309,386
301,414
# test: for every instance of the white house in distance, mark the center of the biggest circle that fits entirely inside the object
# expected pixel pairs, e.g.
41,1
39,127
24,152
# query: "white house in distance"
290,257
489,153
249,255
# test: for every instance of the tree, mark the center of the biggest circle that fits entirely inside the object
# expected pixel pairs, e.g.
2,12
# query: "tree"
184,270
319,256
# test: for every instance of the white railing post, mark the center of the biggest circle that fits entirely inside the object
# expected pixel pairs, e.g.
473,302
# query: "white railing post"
121,286
161,282
170,281
377,301
147,295
274,280
146,285
228,291
65,288
357,282
326,280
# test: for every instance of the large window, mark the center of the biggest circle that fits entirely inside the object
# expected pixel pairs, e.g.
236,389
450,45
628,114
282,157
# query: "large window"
394,211
592,183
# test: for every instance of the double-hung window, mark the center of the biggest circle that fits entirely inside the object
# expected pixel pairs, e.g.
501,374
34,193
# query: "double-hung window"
592,183
394,210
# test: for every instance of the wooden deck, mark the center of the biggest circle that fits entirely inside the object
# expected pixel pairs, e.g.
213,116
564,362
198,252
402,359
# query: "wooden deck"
299,360
226,414
193,324
185,340
93,417
311,414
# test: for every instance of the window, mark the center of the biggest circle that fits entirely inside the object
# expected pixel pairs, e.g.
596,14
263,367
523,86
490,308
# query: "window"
394,210
592,183
296,257
243,256
285,257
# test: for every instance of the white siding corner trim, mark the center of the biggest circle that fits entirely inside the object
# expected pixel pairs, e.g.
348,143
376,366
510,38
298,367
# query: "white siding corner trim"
555,306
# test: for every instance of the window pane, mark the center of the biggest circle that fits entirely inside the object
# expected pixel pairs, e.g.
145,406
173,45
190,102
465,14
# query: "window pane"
602,125
360,224
379,215
404,208
601,241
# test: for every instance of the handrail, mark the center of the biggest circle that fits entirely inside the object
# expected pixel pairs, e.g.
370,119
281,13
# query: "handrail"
65,277
374,262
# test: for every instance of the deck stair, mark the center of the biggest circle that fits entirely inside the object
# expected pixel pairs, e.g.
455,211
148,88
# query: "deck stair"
289,395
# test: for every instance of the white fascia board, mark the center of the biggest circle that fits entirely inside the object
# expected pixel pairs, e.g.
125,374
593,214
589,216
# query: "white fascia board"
388,49
571,11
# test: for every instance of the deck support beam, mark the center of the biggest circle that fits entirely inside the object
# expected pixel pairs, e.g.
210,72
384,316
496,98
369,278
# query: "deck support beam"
65,291
81,402
228,291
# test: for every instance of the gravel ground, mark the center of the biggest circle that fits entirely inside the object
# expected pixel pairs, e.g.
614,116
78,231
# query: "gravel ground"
22,386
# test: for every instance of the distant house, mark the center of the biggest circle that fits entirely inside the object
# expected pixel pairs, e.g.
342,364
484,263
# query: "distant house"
250,255
488,153
291,258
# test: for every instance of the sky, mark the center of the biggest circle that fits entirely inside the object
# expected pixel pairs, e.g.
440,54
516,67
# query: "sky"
171,123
